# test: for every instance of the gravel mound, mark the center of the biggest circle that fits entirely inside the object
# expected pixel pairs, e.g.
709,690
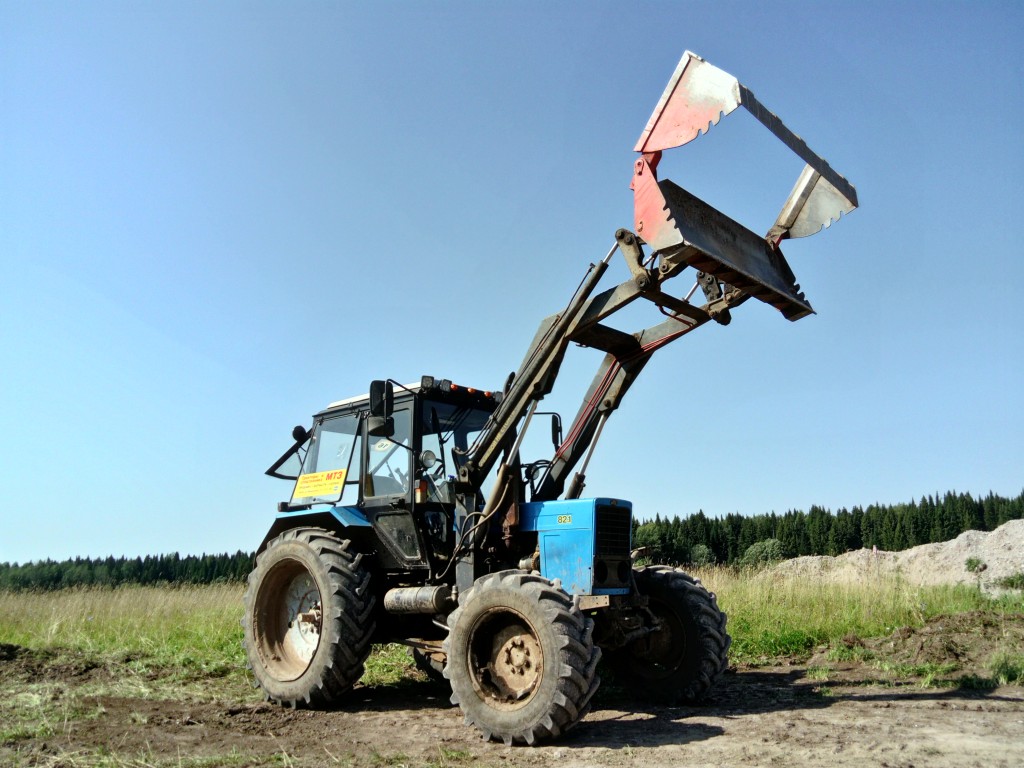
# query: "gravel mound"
1001,553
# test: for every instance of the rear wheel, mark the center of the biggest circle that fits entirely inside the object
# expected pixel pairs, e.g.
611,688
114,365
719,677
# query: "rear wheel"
521,658
687,655
308,618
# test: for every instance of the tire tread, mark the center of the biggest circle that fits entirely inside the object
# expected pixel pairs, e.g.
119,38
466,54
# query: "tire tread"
577,679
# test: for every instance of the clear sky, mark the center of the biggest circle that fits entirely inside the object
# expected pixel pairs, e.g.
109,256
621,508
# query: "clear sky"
215,218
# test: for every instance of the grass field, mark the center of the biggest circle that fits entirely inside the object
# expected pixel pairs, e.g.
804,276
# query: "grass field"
198,628
184,643
195,630
771,616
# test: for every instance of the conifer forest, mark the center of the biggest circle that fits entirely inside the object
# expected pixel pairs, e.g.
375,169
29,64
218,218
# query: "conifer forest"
697,539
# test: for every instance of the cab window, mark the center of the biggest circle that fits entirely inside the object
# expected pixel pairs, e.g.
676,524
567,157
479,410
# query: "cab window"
388,459
327,465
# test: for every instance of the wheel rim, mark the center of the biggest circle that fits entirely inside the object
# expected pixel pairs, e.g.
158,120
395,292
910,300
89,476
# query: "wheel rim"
664,650
290,617
506,660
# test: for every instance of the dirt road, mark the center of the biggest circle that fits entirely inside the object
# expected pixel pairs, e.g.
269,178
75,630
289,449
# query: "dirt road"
767,716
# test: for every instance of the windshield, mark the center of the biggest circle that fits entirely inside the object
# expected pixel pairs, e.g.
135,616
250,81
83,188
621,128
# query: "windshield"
325,469
446,427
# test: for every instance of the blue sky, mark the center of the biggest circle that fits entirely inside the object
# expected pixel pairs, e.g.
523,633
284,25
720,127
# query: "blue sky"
217,218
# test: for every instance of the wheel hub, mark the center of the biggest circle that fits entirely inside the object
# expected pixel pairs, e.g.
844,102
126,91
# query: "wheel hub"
308,623
666,645
302,605
516,666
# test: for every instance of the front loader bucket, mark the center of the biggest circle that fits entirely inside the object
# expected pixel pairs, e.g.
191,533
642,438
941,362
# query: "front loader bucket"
708,240
685,229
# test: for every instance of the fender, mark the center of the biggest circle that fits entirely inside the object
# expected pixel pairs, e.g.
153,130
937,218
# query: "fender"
334,519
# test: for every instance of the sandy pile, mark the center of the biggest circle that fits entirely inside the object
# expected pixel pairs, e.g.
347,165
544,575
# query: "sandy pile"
1001,552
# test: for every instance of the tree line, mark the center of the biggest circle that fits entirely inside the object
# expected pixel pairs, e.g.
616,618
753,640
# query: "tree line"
696,540
114,571
700,540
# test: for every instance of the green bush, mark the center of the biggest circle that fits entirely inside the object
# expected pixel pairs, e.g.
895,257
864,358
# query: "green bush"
1007,668
974,565
762,553
1016,581
701,554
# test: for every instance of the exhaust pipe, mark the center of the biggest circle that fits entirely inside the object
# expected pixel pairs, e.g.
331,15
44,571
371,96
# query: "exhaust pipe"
419,600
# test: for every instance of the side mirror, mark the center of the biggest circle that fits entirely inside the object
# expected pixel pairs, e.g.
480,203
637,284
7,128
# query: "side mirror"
556,430
382,398
379,426
380,423
299,434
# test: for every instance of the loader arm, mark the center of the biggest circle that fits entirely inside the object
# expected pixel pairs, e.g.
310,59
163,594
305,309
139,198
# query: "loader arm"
730,264
583,323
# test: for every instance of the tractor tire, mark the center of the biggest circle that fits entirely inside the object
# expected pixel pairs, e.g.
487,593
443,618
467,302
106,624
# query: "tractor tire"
522,661
308,618
683,660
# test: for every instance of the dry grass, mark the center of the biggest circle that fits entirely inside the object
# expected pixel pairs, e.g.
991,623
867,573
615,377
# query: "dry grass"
196,629
183,634
773,615
134,619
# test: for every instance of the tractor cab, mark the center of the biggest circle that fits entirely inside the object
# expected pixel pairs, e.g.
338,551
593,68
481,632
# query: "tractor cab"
388,460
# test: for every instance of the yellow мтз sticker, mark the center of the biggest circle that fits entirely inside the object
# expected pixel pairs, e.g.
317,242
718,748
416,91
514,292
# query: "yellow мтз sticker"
320,484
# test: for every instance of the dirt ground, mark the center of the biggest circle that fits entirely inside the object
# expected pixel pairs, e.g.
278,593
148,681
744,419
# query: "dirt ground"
892,704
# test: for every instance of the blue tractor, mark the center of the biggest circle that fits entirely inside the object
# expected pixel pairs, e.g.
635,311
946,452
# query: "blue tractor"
413,517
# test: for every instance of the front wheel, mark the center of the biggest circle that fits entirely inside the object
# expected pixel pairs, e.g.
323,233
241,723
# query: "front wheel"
308,618
684,658
521,658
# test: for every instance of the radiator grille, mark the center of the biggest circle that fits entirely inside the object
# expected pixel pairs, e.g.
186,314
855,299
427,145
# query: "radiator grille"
613,530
